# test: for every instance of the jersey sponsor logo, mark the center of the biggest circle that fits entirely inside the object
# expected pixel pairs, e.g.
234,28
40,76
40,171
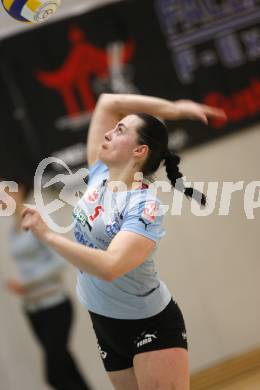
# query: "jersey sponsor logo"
97,211
82,239
91,196
112,229
85,220
150,211
81,217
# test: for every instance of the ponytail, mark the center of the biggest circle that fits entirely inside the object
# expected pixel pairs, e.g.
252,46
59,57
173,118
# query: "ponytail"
154,133
171,163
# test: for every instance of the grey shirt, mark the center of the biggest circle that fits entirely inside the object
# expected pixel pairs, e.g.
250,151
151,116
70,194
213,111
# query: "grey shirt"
37,265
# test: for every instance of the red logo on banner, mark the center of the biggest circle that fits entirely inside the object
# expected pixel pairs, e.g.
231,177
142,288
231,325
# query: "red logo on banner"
240,105
72,80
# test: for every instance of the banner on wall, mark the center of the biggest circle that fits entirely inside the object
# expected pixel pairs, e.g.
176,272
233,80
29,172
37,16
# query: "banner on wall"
204,50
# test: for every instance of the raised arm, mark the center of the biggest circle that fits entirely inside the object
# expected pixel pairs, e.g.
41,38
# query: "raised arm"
111,108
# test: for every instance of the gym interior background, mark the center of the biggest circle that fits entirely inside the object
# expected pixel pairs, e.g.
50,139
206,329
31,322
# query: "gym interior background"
210,263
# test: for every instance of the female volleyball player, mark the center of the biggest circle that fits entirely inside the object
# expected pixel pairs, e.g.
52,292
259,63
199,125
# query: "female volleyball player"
139,328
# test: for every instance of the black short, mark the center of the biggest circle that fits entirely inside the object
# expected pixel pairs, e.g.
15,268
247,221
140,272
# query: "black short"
120,340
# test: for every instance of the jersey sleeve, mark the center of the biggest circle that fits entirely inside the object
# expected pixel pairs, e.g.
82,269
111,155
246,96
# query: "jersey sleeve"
97,169
145,218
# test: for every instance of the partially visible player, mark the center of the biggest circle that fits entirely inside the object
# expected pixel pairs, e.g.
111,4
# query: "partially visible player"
45,301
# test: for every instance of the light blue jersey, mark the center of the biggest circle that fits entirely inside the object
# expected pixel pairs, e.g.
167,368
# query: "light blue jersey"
99,216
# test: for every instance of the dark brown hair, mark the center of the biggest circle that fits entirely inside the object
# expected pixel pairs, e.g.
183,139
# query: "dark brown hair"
154,134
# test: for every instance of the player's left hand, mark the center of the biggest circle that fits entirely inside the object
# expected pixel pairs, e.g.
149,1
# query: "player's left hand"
31,220
187,109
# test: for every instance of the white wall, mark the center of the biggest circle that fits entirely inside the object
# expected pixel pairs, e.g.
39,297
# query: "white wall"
211,265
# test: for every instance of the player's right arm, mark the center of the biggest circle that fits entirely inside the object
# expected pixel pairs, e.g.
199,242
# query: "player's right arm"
111,108
105,117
